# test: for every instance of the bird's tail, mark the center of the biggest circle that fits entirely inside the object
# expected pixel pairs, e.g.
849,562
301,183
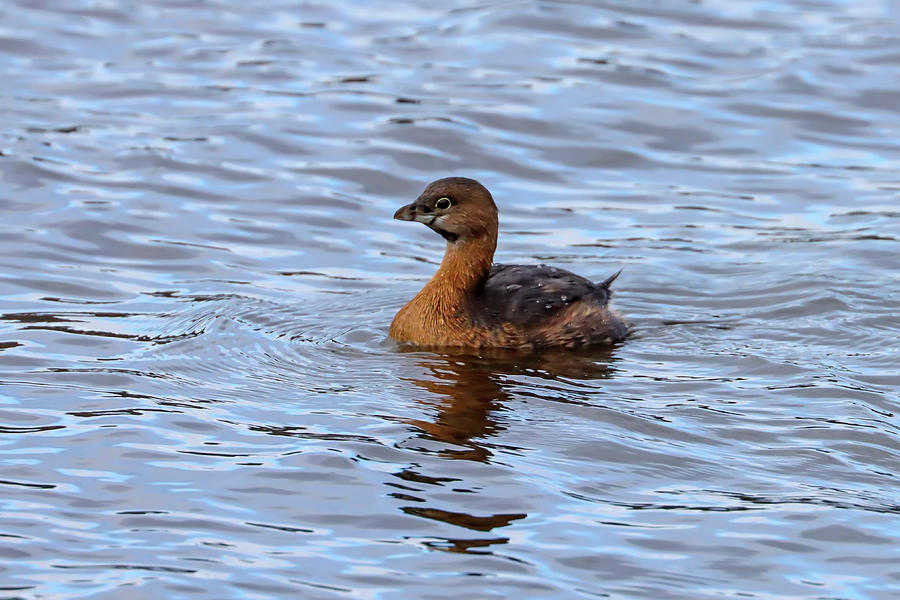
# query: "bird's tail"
609,280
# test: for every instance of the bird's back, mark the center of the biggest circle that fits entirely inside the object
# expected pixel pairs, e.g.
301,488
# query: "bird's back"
547,306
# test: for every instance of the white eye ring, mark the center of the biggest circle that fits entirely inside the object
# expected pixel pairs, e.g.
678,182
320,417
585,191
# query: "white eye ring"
443,203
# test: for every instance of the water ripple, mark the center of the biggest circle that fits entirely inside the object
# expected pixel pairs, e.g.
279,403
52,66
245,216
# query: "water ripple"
197,396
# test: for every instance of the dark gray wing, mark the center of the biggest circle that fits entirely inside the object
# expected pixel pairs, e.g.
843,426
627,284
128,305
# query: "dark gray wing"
529,294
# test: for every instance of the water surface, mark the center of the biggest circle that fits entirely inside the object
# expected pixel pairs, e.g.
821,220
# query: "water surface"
197,397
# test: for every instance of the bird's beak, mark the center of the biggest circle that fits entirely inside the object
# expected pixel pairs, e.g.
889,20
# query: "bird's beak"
406,213
409,213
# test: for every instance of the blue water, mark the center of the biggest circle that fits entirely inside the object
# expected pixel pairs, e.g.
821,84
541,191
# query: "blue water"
198,398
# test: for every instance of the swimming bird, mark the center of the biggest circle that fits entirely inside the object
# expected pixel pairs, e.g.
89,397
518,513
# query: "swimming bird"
472,303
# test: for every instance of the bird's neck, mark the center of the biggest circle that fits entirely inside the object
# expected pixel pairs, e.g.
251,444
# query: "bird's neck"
466,263
436,315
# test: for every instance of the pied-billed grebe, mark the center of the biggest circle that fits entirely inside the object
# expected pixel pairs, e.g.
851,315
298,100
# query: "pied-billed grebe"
471,303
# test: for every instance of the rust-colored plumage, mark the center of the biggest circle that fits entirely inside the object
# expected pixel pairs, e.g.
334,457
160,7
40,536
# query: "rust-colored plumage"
471,303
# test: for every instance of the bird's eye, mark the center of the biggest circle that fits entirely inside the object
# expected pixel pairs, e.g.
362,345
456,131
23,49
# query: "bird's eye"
443,203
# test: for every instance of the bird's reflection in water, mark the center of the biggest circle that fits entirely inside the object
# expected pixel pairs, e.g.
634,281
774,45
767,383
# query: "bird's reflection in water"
465,397
468,393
